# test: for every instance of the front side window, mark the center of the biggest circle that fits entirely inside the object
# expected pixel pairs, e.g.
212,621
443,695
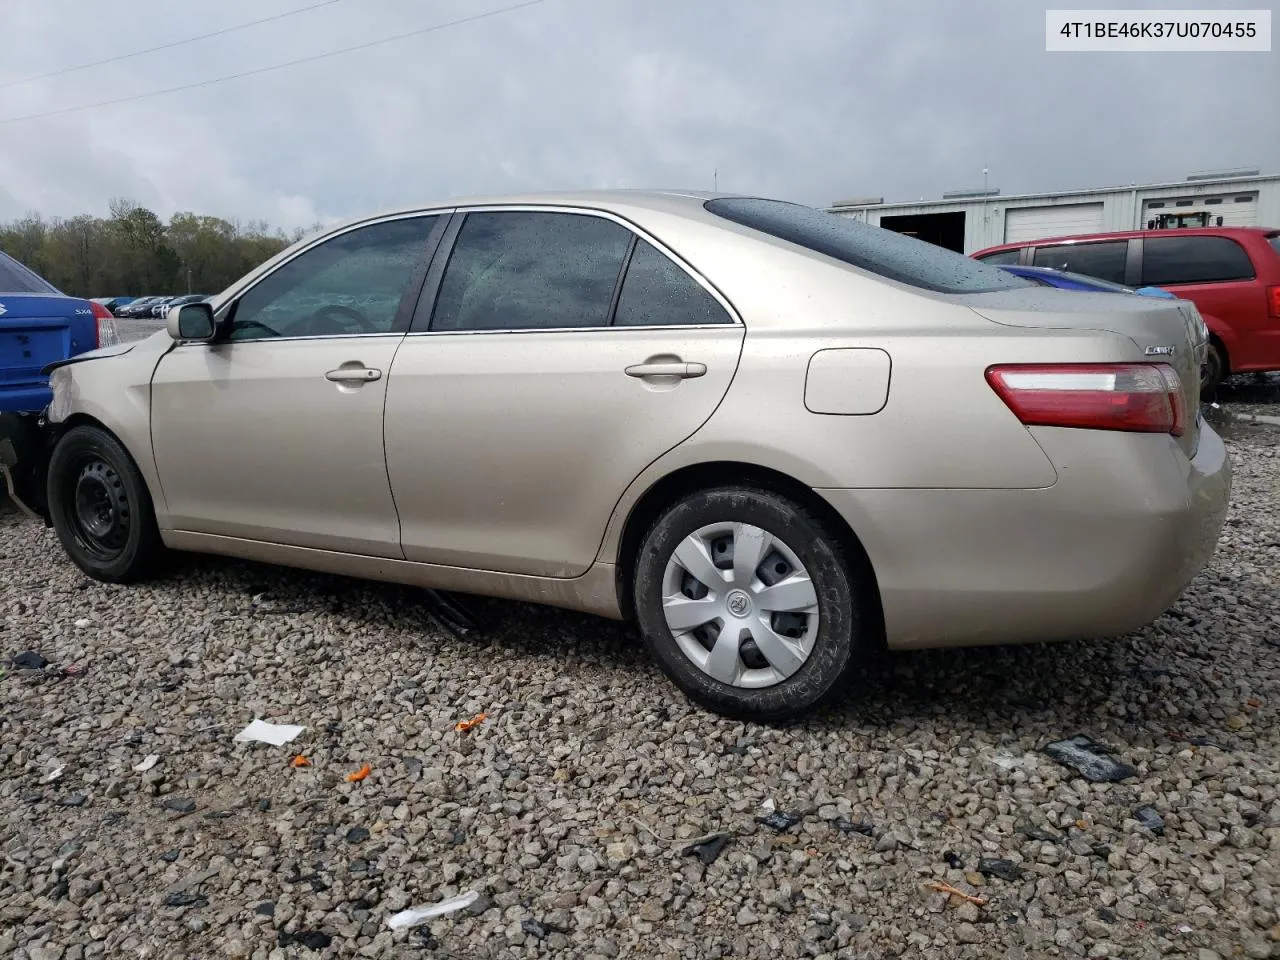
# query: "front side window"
351,284
1001,256
878,250
1103,260
529,270
657,292
1171,260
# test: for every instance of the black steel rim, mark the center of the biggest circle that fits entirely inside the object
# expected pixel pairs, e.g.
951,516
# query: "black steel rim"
99,509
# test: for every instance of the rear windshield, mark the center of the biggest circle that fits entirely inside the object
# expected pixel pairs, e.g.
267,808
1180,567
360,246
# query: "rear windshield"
881,251
15,278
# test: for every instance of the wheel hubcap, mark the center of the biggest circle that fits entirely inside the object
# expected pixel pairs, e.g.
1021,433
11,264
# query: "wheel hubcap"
740,605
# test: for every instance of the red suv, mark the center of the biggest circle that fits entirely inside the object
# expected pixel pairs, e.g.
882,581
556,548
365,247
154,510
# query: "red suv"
1231,274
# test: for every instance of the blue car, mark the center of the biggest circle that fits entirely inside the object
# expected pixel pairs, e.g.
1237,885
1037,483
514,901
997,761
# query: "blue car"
39,325
1066,280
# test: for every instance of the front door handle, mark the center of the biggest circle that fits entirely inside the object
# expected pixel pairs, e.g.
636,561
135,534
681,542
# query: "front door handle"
353,375
676,369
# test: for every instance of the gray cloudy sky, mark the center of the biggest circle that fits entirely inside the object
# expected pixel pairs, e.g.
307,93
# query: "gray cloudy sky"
809,100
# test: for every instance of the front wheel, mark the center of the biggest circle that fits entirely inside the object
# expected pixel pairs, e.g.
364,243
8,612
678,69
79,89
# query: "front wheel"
748,604
100,507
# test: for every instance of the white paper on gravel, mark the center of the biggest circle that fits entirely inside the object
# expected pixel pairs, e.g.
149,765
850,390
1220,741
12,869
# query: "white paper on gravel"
276,734
415,916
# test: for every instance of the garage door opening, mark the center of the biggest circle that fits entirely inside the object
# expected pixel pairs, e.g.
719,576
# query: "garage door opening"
943,229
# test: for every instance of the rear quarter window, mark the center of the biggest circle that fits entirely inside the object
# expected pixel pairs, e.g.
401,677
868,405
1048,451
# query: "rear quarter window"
1171,260
874,249
15,278
1275,242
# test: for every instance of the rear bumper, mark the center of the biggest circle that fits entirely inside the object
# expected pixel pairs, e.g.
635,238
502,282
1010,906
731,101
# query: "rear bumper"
24,455
1102,552
25,397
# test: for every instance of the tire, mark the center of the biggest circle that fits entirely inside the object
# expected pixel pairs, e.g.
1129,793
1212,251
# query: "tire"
100,507
730,680
1215,370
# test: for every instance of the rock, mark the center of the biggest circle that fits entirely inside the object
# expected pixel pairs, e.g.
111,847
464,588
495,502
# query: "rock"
180,804
30,660
968,912
886,843
1257,947
652,912
845,825
357,835
967,933
747,918
1151,819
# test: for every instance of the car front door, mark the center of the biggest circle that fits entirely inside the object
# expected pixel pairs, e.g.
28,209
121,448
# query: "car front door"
555,356
274,431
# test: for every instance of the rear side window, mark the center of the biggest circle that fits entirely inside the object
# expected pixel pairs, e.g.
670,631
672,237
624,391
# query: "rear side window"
657,292
15,278
875,249
1102,260
521,270
1001,256
1275,242
1170,260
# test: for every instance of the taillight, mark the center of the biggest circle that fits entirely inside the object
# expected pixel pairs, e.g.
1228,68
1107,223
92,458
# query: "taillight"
1137,397
108,335
1273,301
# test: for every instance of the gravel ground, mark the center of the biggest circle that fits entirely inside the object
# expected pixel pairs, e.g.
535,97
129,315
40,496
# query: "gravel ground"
569,809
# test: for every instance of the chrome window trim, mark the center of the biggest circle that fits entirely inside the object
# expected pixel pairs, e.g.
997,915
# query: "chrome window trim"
735,319
528,330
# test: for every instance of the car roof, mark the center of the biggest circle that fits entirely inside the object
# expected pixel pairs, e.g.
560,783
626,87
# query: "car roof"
1130,234
616,200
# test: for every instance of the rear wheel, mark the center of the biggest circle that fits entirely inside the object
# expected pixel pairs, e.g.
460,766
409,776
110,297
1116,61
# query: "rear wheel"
747,603
100,507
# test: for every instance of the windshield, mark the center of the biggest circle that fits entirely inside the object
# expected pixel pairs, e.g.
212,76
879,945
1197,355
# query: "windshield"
884,252
15,278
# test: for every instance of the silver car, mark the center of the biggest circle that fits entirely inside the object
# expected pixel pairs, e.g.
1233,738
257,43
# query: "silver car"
774,437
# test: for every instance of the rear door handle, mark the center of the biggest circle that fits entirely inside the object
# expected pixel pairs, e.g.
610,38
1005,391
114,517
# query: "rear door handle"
682,370
353,375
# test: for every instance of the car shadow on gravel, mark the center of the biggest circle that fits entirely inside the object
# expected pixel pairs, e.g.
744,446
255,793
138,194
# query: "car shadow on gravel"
997,689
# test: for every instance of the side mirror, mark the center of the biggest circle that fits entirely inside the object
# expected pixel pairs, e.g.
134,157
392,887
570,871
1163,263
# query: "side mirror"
191,321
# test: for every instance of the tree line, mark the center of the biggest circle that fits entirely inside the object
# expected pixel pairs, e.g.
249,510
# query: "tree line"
133,252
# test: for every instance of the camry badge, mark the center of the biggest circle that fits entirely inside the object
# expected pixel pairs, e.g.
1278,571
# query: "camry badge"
1159,351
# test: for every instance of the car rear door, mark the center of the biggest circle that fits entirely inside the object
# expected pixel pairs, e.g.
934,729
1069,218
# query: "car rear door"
1216,274
554,354
275,433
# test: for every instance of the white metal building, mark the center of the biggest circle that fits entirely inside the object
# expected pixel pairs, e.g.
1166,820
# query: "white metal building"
971,220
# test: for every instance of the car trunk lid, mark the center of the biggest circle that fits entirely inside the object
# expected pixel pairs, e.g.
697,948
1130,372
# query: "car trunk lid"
1165,331
36,330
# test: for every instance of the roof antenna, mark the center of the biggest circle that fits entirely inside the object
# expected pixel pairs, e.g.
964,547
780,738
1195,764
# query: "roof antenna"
715,180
